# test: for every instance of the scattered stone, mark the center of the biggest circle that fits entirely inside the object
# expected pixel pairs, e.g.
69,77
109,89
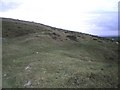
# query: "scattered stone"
13,60
112,39
89,61
36,52
42,78
42,32
117,42
44,72
28,83
5,75
28,67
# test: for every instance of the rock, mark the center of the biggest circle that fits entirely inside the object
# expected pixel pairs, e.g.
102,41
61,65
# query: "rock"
28,67
5,75
36,52
113,39
117,42
28,83
89,61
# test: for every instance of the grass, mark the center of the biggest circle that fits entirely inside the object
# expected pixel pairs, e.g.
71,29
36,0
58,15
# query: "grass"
31,54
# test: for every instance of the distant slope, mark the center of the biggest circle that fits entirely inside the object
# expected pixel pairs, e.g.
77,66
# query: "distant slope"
114,38
38,56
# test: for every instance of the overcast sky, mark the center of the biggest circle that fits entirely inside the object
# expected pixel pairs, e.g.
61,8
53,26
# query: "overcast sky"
97,17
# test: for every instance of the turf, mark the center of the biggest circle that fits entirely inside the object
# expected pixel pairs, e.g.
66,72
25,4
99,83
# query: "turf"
40,56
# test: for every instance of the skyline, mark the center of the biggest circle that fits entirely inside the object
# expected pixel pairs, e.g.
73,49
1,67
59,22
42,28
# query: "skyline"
96,17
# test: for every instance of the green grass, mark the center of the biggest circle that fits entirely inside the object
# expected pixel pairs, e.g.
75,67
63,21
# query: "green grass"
55,63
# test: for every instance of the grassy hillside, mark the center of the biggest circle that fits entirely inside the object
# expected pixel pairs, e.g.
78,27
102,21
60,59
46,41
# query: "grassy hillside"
37,56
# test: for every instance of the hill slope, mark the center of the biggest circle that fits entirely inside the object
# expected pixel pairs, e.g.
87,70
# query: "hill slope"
36,56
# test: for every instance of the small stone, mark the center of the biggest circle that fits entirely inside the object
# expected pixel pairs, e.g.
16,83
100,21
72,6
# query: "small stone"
42,78
117,42
5,75
27,68
13,60
36,52
44,72
112,39
28,83
89,61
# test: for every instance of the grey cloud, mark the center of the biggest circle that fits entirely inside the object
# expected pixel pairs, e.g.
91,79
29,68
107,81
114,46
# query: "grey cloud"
107,21
104,24
111,23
